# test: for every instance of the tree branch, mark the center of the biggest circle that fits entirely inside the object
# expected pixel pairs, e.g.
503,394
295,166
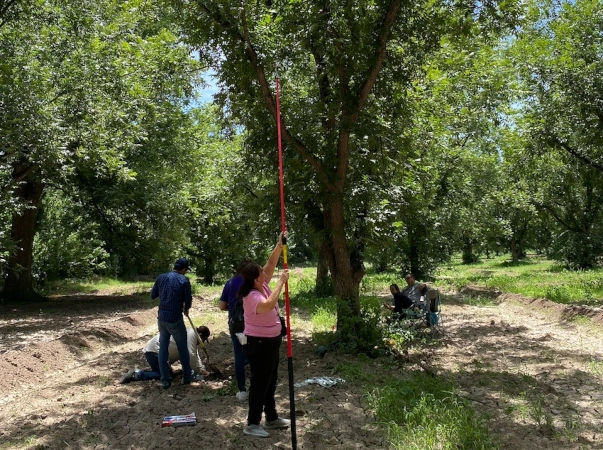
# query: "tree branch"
267,97
324,86
379,58
4,7
270,102
20,177
556,216
349,117
575,154
248,189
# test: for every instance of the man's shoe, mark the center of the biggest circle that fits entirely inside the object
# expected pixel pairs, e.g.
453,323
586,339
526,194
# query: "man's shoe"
242,396
255,430
129,376
166,384
193,378
277,423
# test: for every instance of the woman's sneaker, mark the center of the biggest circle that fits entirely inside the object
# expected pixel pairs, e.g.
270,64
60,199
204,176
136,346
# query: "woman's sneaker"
242,396
277,423
255,430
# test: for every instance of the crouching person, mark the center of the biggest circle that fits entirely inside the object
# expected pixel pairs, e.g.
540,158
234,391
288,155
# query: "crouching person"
151,354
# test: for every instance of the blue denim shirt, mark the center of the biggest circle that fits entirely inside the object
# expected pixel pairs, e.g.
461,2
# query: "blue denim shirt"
174,292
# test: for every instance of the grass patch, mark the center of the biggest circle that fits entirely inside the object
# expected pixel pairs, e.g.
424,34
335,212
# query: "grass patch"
354,371
30,442
421,412
418,411
595,367
112,286
580,319
530,406
323,319
534,277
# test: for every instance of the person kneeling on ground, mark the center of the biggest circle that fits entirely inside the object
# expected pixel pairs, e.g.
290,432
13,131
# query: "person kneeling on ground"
151,353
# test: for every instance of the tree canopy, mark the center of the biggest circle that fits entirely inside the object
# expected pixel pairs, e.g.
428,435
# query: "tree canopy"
411,131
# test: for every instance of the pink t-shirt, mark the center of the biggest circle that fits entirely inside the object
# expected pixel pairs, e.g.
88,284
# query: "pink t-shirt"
261,325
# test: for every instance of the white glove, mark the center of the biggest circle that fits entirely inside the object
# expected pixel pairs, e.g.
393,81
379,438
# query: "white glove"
242,338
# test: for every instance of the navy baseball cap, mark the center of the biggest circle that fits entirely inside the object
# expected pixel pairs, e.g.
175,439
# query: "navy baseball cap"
182,263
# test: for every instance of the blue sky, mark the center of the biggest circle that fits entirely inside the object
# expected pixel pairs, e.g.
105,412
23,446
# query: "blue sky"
206,94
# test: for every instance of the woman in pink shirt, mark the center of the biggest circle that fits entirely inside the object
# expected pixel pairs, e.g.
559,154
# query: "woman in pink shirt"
263,332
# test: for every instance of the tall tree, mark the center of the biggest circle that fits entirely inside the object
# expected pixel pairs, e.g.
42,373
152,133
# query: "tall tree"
344,67
81,87
442,197
559,57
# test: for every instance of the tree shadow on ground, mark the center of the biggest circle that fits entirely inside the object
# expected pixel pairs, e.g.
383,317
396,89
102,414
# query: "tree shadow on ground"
520,263
527,382
28,323
519,406
90,409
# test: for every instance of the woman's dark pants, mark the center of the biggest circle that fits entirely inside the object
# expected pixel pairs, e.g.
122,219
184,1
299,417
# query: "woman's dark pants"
263,356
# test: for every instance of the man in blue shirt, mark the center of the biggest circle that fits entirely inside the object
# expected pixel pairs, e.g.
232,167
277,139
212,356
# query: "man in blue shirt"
175,298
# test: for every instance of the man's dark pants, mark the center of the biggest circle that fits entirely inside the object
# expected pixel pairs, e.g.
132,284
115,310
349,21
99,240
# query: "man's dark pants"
178,331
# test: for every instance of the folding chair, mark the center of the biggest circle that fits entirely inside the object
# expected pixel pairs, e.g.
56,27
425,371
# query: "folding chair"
433,314
428,315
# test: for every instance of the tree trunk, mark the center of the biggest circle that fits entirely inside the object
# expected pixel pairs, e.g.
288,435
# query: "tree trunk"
359,244
324,285
468,256
346,281
19,282
414,258
208,270
514,250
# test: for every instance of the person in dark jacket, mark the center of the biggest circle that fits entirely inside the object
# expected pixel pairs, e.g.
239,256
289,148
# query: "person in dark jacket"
228,300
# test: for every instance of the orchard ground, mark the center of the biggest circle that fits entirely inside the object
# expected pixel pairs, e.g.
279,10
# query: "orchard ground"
532,369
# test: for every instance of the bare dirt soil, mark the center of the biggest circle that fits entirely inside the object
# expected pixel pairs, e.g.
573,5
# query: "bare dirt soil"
533,366
61,362
528,365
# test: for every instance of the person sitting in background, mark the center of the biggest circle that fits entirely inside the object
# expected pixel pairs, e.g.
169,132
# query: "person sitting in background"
151,353
401,303
414,290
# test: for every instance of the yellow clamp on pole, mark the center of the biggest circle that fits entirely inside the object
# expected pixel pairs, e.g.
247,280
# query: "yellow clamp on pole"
284,252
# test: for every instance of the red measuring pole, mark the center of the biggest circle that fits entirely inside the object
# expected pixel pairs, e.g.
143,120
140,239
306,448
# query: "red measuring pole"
287,303
283,225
